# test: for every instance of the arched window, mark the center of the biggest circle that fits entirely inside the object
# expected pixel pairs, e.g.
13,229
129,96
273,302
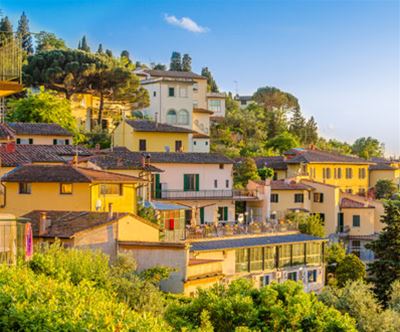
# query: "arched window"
171,117
183,117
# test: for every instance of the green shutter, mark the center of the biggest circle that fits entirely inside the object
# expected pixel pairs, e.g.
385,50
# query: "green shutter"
185,182
220,213
157,186
226,213
202,215
197,182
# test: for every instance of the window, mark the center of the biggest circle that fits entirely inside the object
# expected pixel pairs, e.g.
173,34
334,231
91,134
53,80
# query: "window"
183,93
206,143
313,252
264,281
356,247
274,198
356,220
326,173
66,188
256,259
339,173
227,183
242,260
183,117
221,166
60,141
222,213
298,254
318,197
111,189
171,117
215,183
178,146
142,145
194,142
292,276
24,140
171,92
25,188
312,276
243,102
191,182
215,105
298,198
195,104
285,253
349,173
154,93
269,258
195,87
361,173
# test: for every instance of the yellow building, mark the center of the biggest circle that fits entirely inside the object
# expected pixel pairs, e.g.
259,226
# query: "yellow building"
277,163
349,173
385,171
143,135
65,187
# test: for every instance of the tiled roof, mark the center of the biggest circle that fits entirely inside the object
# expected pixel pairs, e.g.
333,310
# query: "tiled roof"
174,157
64,173
6,132
174,74
45,129
382,167
65,224
30,153
284,185
317,156
347,203
111,161
246,242
200,135
202,110
152,126
275,162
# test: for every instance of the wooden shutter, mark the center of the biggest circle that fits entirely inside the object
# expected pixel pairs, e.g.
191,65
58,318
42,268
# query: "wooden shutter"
197,182
185,182
226,213
202,215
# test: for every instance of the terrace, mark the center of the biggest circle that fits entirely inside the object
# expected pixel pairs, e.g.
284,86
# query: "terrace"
237,195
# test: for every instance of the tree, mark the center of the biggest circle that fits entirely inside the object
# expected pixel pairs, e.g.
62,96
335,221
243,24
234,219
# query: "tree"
125,54
335,253
368,147
158,66
244,171
186,63
283,142
109,53
47,41
385,269
24,34
265,173
333,145
65,71
6,30
351,268
311,132
312,225
97,137
297,125
385,189
176,62
44,106
83,45
100,49
394,300
211,84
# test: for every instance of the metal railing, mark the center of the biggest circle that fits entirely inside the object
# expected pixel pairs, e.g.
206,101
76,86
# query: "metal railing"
205,194
10,58
13,241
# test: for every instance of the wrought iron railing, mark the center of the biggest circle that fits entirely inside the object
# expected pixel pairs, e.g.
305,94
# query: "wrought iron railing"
10,59
205,194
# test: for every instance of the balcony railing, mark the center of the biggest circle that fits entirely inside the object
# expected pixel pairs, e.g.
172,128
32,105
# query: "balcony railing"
10,59
206,194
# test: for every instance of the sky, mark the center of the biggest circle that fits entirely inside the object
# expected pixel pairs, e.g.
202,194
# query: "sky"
341,59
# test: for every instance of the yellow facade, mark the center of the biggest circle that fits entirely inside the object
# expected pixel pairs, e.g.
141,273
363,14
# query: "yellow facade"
84,197
376,175
366,218
126,136
286,201
135,228
352,178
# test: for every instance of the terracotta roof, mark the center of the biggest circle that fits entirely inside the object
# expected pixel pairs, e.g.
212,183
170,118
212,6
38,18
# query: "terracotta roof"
44,129
347,203
274,162
202,110
114,162
200,135
6,132
174,74
317,156
31,153
284,185
382,167
64,173
65,224
151,126
173,157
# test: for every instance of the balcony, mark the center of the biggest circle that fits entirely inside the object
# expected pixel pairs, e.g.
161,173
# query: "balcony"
237,195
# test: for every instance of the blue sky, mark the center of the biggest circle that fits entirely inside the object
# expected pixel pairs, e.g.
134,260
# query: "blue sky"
340,58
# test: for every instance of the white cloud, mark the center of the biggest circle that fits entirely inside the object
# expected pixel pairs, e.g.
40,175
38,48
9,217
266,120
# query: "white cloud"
185,23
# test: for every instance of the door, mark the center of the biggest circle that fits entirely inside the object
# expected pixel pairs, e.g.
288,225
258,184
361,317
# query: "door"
340,222
157,186
202,215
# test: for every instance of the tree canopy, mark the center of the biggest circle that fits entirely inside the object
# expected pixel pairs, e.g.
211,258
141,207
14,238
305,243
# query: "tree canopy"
385,189
368,147
176,62
47,41
211,83
24,34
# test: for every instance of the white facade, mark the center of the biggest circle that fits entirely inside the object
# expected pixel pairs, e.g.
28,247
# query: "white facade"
200,145
216,103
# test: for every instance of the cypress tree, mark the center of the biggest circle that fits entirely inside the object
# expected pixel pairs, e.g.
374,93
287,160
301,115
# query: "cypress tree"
176,62
109,53
311,132
24,34
100,49
83,45
211,84
186,63
297,125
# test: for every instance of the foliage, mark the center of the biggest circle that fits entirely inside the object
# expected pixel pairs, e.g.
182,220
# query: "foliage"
100,49
97,137
357,299
45,106
158,66
283,142
277,307
394,299
47,41
385,269
385,189
265,173
312,225
6,30
244,171
148,213
176,62
334,145
83,45
24,34
368,147
211,83
334,255
186,63
351,268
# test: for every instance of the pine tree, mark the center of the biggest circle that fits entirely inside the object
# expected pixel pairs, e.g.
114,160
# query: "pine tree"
83,45
176,62
100,49
297,125
24,34
6,30
311,132
186,63
109,53
125,54
211,84
385,269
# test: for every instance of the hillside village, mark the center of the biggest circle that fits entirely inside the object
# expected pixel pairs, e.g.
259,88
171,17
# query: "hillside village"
153,179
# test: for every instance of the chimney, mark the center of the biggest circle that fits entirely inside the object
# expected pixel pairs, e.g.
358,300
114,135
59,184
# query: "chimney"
44,223
110,211
10,147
